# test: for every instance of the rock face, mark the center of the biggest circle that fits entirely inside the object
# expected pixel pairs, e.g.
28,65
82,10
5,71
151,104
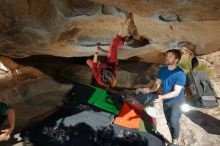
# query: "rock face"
133,73
80,73
141,75
71,28
31,93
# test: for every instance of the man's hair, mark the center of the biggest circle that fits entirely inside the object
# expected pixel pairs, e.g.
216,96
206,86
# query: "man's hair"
176,52
108,77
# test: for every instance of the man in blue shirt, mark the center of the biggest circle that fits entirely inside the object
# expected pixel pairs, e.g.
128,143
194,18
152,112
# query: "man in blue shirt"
172,79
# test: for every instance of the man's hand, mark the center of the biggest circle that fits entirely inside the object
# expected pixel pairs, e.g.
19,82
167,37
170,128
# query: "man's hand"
4,137
158,99
8,131
5,134
145,90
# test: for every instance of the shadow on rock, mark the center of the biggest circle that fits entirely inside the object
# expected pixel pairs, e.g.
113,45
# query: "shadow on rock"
205,121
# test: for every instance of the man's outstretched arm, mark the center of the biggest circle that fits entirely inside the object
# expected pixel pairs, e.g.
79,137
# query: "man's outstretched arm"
121,30
172,94
11,119
156,85
122,27
154,88
96,53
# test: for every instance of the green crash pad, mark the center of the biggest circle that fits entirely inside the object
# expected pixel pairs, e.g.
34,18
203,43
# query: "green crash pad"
101,99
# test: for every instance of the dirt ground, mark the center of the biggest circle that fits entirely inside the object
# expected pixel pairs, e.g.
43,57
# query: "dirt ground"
199,127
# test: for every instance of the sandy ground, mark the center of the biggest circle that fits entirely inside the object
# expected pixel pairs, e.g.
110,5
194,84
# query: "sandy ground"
199,127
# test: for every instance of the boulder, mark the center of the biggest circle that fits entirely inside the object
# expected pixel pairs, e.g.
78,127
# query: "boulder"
78,73
72,28
32,94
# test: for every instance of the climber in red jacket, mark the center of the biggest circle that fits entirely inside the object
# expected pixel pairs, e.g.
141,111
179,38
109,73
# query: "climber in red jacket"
106,72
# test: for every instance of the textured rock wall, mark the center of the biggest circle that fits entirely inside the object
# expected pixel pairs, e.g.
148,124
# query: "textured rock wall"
31,93
71,28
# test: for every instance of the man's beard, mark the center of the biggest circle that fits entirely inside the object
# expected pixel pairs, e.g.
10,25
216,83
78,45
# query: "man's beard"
170,62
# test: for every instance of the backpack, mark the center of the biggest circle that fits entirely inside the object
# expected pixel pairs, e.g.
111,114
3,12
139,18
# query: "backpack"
203,94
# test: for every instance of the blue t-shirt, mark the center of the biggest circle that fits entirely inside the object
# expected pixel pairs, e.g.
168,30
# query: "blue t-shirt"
169,79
